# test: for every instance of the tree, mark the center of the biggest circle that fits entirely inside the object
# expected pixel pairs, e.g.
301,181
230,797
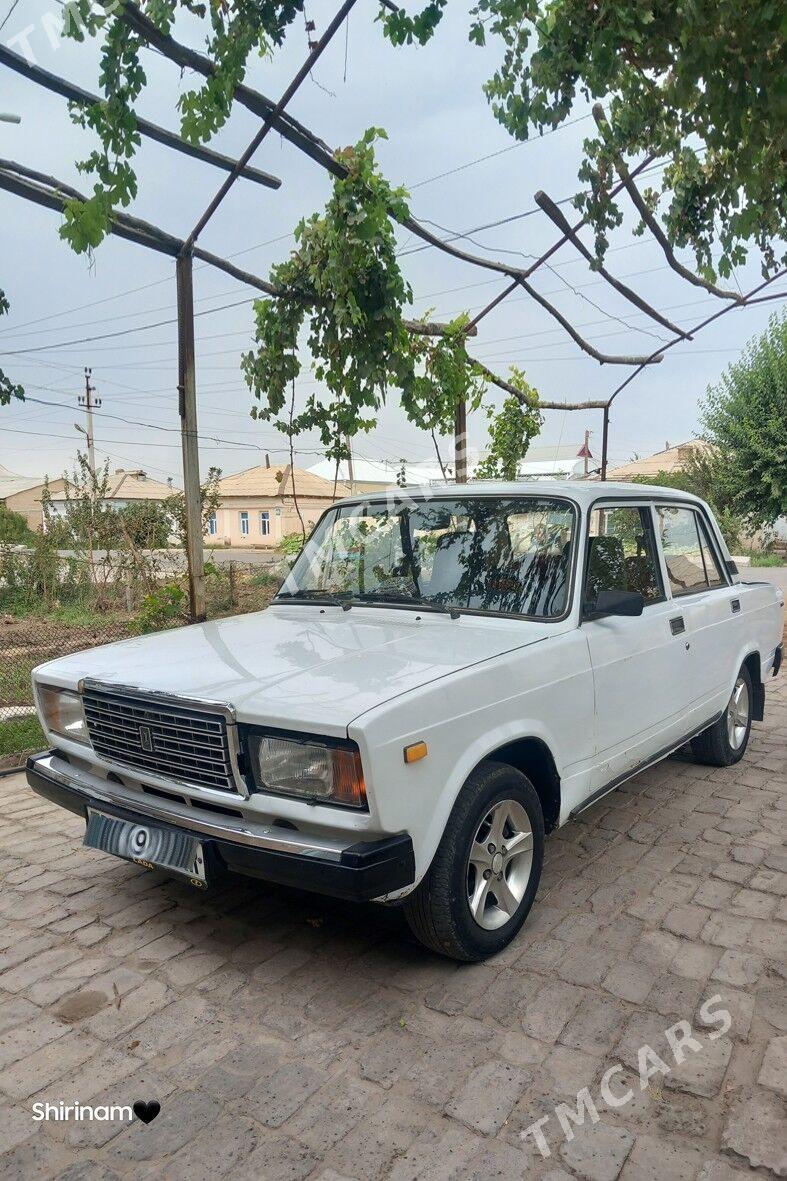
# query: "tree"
210,499
112,546
703,475
510,431
700,84
85,522
147,523
745,417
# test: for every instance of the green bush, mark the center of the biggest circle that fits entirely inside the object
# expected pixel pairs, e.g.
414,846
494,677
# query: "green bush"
266,580
13,528
767,560
37,578
161,608
291,544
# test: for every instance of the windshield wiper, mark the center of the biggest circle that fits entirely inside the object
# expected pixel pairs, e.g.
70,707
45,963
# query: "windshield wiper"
332,598
346,600
395,597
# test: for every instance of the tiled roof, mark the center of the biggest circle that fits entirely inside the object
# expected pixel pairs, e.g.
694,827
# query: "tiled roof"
277,481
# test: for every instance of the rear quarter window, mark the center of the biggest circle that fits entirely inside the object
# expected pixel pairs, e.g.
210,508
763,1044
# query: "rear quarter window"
688,555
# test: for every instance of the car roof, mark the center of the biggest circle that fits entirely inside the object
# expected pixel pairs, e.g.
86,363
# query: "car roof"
582,492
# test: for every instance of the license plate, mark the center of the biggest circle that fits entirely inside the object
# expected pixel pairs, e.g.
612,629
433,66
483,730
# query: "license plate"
148,845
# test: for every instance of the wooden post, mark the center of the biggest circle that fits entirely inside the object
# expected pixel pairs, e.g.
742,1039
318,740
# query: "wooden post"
350,469
460,443
604,442
187,404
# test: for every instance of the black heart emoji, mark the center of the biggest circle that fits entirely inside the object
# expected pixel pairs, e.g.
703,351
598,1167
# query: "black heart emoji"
147,1112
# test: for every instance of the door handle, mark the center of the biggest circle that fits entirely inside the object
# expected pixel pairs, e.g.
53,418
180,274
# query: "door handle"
735,606
677,625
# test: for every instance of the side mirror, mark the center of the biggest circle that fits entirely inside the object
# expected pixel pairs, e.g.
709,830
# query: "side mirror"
615,602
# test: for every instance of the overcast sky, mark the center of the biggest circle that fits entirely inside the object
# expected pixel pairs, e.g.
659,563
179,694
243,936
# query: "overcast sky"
463,171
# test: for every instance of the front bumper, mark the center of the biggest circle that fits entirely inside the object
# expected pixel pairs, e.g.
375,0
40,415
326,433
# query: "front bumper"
360,871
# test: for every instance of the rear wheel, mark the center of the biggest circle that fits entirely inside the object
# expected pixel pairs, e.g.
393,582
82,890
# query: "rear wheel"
481,884
725,742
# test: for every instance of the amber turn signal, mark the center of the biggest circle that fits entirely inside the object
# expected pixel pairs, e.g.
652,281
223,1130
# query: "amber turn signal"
348,782
415,752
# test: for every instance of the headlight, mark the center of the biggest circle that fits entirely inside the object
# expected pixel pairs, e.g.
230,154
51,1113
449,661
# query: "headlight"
62,714
312,770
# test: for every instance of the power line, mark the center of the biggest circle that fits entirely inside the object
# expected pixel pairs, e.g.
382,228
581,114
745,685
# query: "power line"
8,15
575,289
491,155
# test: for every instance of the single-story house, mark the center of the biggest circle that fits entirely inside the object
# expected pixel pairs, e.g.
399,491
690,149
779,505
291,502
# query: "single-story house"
11,485
671,459
258,505
123,487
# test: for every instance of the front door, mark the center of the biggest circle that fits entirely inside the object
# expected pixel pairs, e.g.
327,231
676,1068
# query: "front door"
641,663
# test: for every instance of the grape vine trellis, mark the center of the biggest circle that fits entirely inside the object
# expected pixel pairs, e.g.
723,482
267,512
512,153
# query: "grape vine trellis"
342,286
345,281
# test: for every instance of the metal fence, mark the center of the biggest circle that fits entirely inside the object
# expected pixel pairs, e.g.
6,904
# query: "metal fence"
51,608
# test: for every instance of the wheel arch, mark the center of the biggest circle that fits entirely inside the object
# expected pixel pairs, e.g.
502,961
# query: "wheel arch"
754,665
533,757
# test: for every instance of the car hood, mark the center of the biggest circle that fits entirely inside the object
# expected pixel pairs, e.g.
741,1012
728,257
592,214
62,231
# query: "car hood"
304,666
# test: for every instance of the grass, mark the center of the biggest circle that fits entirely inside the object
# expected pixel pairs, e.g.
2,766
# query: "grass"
767,560
19,736
74,614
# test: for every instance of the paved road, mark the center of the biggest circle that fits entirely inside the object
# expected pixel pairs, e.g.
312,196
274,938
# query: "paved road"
251,557
775,574
289,1037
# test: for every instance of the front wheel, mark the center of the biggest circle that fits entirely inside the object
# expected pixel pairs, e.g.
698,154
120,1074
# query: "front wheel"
481,884
725,742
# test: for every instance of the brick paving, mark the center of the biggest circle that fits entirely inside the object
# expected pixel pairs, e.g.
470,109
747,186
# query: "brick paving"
290,1037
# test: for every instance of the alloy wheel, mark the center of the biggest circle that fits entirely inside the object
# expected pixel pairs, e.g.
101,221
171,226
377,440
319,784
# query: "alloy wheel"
738,714
499,864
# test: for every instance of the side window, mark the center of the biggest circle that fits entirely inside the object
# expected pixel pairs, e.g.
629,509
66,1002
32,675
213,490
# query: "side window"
622,553
714,574
687,553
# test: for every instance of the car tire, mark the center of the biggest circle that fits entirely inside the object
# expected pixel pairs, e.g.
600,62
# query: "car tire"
724,743
497,803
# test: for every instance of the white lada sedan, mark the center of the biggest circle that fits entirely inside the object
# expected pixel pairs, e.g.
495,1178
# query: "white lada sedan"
444,677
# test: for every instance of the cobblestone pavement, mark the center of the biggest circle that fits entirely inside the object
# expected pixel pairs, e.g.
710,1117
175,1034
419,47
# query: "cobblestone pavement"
287,1036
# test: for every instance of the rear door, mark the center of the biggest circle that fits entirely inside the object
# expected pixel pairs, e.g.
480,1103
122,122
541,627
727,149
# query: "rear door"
704,597
641,663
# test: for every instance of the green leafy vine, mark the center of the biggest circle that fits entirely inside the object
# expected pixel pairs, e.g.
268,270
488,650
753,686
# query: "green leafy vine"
344,287
8,389
510,431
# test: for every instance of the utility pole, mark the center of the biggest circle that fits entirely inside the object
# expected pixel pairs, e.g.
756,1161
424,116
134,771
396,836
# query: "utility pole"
187,408
460,443
89,403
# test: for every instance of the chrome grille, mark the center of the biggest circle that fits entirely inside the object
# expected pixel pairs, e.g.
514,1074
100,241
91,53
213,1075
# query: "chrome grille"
160,737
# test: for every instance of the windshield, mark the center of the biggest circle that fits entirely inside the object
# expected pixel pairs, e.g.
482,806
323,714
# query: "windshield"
504,554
